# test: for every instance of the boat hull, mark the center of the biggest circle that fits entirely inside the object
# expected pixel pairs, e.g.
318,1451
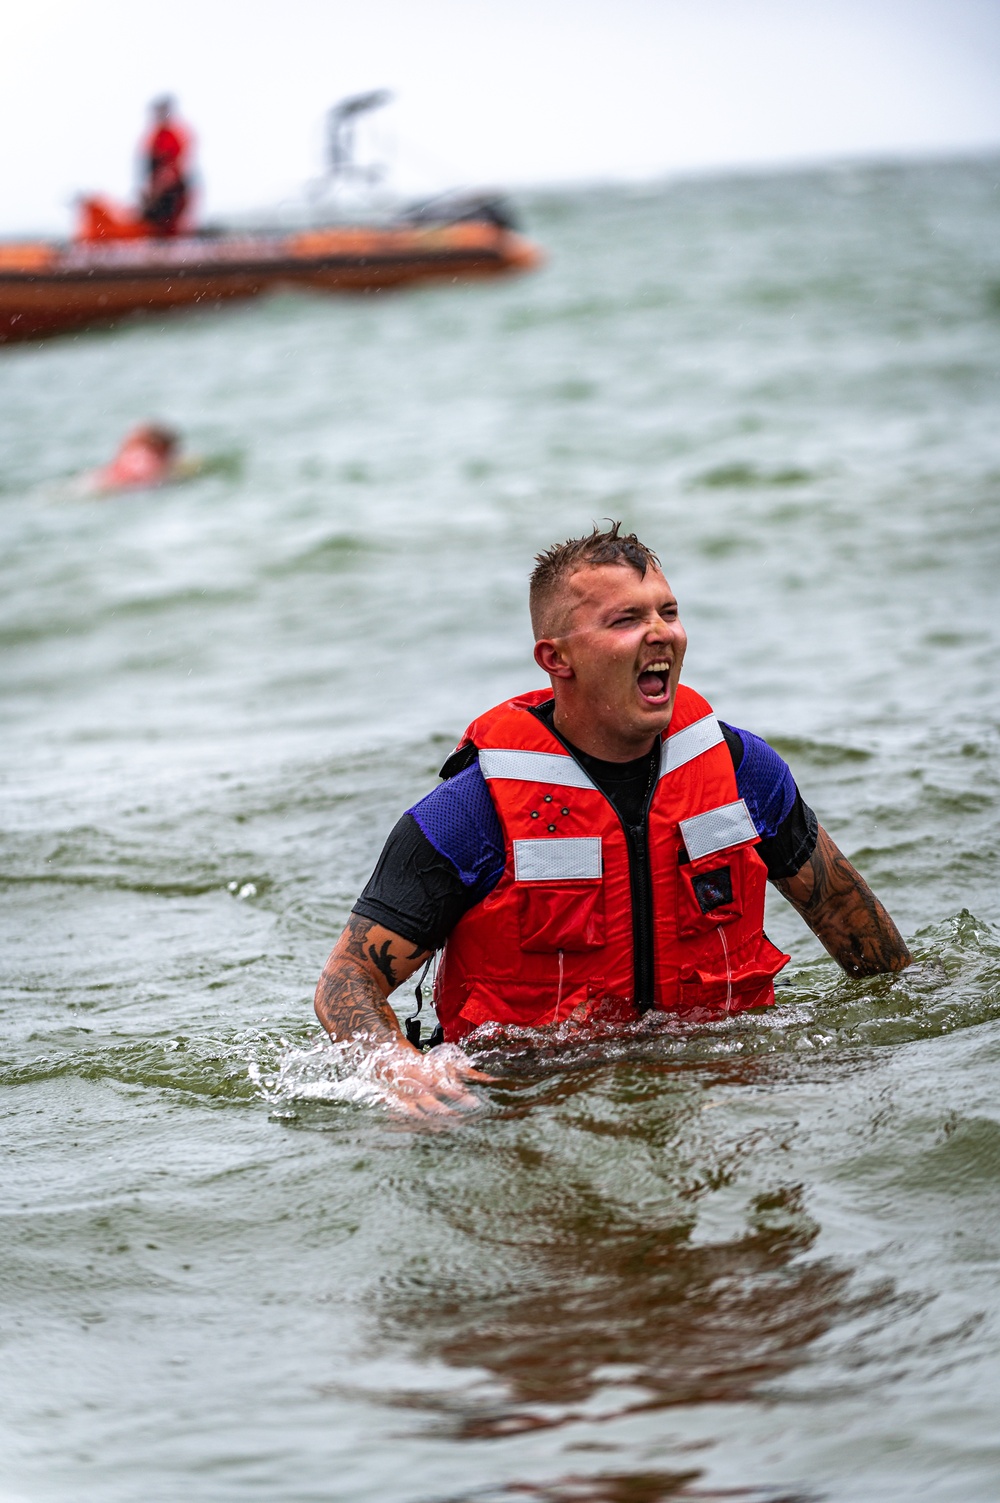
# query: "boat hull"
45,290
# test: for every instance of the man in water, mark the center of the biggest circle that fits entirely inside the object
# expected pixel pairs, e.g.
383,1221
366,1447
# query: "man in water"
148,457
166,162
596,850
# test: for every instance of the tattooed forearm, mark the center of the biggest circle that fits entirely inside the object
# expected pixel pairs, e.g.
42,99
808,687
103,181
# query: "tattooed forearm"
348,1003
843,912
367,963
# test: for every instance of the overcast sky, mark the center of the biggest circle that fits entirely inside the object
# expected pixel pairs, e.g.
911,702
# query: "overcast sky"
511,93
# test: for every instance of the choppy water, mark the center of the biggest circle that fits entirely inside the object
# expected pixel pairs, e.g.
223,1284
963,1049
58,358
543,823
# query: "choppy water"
756,1261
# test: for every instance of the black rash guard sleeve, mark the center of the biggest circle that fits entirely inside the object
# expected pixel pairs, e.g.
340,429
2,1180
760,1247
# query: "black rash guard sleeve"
793,843
414,891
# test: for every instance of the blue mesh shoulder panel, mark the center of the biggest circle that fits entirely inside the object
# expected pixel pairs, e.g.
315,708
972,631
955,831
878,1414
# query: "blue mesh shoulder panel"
461,824
765,780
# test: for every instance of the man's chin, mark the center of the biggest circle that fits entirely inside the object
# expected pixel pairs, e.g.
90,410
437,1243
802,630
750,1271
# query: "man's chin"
651,719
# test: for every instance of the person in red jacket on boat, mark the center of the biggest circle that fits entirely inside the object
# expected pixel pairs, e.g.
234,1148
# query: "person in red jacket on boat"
597,850
165,193
167,167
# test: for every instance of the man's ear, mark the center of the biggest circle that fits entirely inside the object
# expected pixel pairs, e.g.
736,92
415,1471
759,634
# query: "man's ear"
550,659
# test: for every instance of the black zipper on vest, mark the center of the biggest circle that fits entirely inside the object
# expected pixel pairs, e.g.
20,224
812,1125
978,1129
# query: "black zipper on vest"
639,877
640,881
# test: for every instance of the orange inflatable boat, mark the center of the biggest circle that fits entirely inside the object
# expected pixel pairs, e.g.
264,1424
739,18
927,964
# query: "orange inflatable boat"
113,270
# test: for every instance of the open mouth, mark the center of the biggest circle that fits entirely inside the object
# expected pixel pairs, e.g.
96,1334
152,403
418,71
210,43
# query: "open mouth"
654,683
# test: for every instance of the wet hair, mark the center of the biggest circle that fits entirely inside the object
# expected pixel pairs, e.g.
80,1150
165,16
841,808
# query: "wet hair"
164,440
554,567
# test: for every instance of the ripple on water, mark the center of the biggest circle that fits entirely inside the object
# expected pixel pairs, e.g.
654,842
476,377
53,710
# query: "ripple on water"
964,1160
337,553
802,749
742,476
218,1068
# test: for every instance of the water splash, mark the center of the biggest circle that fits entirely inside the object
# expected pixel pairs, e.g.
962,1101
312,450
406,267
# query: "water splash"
324,1071
350,1071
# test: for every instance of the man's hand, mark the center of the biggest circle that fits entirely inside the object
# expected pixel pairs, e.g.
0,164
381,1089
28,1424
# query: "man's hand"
431,1084
352,1002
843,912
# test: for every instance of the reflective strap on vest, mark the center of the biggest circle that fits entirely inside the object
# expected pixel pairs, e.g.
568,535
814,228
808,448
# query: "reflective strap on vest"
532,767
716,829
689,743
558,860
550,767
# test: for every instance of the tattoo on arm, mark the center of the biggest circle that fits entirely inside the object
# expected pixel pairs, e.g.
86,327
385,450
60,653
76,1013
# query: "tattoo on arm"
348,1004
367,963
843,912
381,959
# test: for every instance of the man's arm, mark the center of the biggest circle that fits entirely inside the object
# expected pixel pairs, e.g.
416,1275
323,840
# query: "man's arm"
352,1002
843,912
367,963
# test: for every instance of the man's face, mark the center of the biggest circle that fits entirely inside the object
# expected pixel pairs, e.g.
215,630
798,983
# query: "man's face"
624,644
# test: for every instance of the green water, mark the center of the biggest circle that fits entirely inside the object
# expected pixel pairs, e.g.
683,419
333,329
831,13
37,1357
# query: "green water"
757,1260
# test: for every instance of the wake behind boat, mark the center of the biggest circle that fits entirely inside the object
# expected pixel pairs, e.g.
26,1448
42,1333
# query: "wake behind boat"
121,264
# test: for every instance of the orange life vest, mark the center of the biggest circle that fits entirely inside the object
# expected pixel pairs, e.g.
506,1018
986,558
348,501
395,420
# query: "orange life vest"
581,923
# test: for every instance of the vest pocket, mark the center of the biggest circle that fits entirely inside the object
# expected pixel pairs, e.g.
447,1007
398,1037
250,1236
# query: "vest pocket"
719,994
710,891
519,1004
561,916
736,981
